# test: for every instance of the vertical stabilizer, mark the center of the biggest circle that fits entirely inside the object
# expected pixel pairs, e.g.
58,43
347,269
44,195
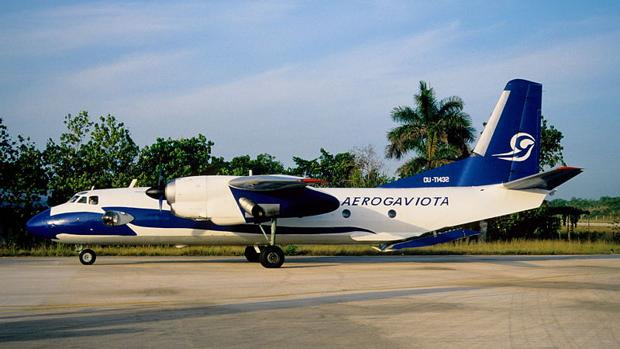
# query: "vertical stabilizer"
512,134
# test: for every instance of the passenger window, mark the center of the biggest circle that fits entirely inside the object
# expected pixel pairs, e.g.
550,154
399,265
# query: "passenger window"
93,200
82,200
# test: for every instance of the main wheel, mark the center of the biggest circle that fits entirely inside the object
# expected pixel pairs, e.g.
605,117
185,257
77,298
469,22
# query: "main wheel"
87,256
271,257
250,254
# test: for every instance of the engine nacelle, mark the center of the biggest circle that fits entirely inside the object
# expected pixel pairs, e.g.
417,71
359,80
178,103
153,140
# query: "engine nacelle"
204,198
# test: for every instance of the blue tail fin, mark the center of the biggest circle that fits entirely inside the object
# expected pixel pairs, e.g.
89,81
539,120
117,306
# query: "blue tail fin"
508,148
513,131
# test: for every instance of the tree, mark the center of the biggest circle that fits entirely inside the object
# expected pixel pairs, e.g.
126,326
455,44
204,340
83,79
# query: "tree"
368,171
23,185
438,132
538,223
99,154
7,157
336,169
550,146
263,164
111,153
22,171
176,158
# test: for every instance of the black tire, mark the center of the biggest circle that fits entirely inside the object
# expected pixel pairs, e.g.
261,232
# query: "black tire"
87,256
251,255
271,257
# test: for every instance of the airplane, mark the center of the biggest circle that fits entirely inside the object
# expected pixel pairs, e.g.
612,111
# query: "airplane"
263,211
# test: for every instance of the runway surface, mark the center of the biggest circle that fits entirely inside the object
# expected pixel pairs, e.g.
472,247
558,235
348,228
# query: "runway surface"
319,302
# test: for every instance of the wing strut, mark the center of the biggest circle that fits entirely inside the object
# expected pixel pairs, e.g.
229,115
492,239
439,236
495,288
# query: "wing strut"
271,240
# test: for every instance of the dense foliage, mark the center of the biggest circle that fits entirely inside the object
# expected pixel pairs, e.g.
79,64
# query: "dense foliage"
605,207
89,154
23,180
550,146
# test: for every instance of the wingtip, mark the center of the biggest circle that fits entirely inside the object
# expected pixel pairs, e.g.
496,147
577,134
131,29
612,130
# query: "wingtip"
570,168
313,181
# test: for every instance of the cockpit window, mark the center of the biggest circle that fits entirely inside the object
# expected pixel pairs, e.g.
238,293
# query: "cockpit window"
82,200
93,200
74,198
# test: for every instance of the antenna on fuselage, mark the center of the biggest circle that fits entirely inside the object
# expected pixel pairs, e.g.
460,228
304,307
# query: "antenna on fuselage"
133,183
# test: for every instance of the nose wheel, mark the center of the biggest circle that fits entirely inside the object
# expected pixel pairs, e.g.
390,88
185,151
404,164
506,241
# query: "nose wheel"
87,256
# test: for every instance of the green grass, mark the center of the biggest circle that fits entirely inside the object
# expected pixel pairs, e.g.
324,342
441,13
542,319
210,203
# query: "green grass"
515,247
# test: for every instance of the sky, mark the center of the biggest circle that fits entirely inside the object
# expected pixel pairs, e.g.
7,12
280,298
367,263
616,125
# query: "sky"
289,77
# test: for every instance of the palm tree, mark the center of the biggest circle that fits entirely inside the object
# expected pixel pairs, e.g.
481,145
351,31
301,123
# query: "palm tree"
437,131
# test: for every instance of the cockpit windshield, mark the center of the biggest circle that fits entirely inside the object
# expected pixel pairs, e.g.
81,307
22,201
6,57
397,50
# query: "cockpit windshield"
80,198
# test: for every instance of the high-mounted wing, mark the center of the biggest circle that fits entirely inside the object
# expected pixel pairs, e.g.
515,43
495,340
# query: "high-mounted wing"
271,183
278,196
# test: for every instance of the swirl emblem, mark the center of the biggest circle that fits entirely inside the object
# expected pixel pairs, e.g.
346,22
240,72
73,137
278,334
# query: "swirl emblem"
521,144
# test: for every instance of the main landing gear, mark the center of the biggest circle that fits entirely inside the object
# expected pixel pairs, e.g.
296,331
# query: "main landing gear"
251,254
87,256
270,256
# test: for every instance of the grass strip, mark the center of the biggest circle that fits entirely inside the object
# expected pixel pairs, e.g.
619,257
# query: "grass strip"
514,247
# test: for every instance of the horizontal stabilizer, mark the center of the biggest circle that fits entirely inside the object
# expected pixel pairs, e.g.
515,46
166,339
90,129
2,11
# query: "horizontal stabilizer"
546,180
431,239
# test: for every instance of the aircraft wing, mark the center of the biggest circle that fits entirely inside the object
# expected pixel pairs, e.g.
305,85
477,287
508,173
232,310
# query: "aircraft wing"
278,196
545,180
267,183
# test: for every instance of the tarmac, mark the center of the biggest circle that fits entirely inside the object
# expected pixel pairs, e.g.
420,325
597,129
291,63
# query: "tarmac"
312,302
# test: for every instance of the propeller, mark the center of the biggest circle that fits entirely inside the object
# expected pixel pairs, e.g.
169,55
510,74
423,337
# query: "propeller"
159,191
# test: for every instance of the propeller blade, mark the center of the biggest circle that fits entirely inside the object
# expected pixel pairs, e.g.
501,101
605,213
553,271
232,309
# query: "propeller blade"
158,192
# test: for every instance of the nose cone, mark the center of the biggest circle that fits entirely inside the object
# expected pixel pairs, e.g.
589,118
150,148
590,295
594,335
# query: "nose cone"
40,226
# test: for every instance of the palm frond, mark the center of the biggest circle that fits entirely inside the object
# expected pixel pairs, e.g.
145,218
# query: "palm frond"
450,105
404,115
426,102
413,166
404,139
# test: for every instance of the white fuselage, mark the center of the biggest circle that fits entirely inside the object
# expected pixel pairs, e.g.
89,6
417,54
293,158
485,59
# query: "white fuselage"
415,211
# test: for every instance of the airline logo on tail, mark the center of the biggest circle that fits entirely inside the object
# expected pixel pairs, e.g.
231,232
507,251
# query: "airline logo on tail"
521,144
